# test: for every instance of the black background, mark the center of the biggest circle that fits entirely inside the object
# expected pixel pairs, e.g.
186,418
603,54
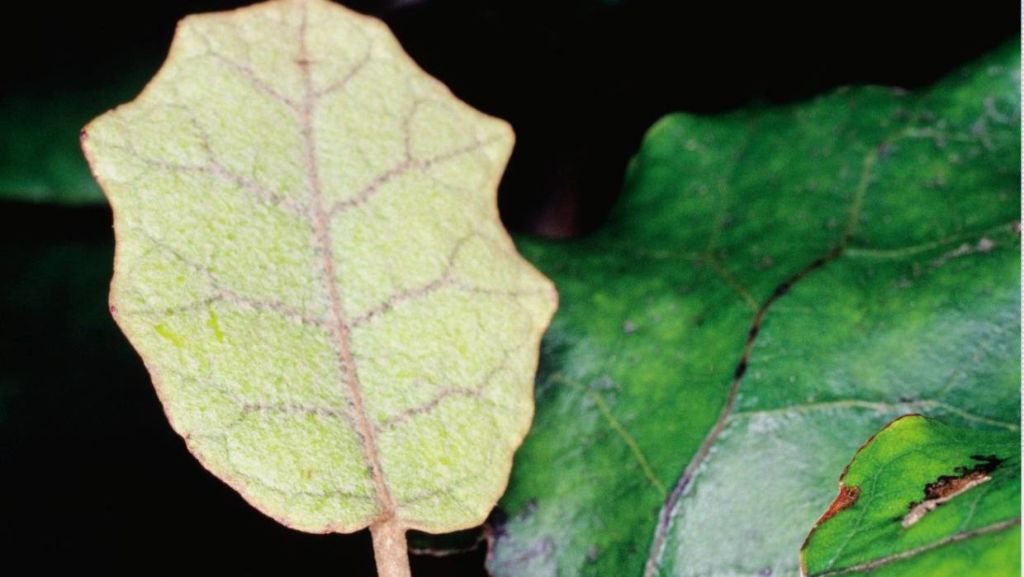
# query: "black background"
93,480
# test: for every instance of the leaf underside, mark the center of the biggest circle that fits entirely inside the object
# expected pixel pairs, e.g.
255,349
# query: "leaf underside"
931,500
310,262
774,286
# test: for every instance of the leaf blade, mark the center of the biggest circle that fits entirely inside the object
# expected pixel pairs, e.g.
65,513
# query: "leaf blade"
718,216
322,346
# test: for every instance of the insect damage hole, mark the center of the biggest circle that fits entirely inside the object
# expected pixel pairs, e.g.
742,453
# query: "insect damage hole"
947,487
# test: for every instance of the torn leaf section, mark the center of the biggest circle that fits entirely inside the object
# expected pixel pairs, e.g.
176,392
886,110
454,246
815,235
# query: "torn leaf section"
947,487
970,480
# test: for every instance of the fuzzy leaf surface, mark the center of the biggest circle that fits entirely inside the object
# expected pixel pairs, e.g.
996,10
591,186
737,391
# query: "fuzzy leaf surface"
310,262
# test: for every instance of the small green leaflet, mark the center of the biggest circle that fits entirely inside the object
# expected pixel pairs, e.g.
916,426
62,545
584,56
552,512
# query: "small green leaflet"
922,498
40,157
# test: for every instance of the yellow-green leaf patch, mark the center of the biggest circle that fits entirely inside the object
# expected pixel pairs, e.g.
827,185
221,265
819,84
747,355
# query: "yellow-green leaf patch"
310,262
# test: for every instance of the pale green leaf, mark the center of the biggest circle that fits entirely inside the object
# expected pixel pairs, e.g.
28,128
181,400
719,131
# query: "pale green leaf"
310,261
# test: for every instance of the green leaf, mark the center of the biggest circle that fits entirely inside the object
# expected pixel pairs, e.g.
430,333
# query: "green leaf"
923,498
309,260
40,158
774,285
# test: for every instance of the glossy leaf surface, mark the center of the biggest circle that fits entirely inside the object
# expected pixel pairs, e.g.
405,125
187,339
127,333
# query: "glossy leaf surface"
773,287
924,498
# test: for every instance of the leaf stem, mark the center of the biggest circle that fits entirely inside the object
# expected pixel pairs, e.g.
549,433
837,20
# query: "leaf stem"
390,549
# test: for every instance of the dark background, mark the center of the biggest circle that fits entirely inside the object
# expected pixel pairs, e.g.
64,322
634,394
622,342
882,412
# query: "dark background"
93,480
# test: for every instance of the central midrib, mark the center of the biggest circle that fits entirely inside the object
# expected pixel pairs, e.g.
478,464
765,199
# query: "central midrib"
339,324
